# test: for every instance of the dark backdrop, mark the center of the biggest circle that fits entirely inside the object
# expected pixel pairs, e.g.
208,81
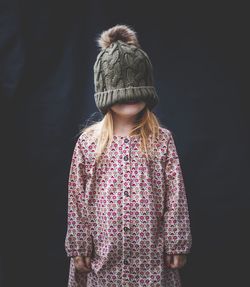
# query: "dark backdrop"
198,52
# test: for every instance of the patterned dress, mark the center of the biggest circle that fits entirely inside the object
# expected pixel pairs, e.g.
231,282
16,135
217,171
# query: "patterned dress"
126,213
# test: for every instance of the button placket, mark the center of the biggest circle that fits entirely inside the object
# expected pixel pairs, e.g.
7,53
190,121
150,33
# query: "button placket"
126,211
125,261
126,193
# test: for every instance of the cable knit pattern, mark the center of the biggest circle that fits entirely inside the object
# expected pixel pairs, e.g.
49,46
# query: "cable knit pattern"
127,213
123,72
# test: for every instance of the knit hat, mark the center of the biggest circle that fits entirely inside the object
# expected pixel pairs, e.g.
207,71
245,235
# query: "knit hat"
122,71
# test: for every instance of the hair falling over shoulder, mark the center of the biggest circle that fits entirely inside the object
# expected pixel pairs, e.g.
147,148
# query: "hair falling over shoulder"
147,124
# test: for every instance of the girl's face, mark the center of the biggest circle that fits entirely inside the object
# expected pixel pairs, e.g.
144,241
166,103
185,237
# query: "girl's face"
128,109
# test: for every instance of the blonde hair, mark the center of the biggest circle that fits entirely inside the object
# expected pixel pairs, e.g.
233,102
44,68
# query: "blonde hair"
147,124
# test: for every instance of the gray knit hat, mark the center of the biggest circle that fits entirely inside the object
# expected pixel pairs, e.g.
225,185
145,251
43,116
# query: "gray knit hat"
122,71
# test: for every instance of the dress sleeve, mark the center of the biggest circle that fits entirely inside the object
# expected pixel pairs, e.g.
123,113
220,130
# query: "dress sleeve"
177,232
78,241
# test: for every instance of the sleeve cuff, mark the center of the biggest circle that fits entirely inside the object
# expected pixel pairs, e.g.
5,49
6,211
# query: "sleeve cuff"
74,253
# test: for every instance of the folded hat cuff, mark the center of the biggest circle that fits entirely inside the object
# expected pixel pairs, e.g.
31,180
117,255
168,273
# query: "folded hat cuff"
104,100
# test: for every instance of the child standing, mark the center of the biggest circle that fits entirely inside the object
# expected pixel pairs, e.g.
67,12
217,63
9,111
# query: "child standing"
128,219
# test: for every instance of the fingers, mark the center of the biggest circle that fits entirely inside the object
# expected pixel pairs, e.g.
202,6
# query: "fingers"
87,262
176,261
82,263
168,260
183,260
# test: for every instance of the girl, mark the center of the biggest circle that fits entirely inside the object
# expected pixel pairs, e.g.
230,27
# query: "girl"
128,219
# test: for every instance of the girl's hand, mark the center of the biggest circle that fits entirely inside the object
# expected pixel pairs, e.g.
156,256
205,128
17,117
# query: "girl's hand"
82,263
175,261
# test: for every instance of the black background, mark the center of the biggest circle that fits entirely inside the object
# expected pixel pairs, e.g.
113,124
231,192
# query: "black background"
198,51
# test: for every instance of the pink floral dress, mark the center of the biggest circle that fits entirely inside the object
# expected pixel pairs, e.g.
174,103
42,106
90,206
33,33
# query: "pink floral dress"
126,212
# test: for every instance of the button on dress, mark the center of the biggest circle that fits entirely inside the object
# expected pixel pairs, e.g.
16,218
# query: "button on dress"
126,213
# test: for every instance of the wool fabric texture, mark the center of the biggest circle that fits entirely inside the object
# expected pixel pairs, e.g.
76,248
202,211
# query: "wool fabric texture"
123,72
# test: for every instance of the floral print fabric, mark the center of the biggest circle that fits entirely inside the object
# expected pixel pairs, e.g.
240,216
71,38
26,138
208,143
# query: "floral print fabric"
126,213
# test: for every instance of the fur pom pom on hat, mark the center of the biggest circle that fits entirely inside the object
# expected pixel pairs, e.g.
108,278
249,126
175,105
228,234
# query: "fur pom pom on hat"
122,71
